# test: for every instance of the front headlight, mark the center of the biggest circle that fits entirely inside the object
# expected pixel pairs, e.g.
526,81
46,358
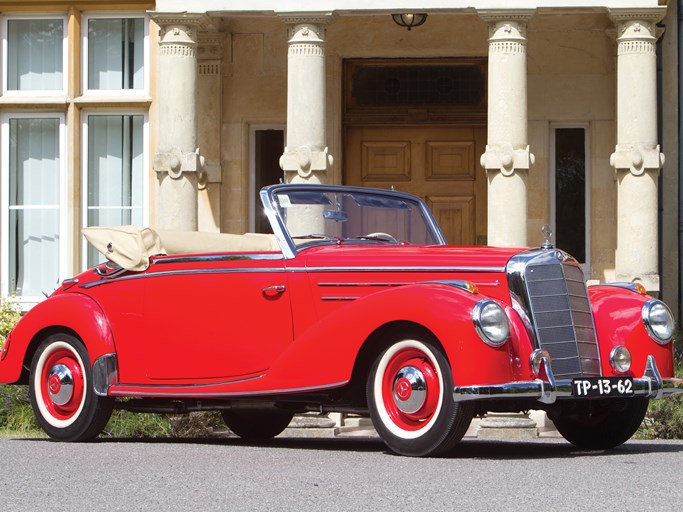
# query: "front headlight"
491,322
658,321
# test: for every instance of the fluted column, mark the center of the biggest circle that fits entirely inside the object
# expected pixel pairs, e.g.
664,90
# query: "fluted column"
637,158
507,159
177,161
306,158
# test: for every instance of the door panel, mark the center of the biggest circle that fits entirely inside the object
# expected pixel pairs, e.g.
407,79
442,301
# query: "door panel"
438,163
216,321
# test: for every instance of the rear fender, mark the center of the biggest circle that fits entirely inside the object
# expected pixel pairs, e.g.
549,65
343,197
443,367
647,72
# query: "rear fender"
326,353
68,312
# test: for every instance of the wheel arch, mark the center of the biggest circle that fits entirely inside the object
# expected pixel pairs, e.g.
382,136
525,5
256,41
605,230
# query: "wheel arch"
35,342
76,314
378,341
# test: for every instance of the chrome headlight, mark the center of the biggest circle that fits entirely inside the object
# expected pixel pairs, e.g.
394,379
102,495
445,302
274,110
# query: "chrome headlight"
658,321
620,359
491,322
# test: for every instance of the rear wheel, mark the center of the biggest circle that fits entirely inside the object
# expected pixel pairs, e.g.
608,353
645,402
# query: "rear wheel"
601,425
409,392
61,391
257,424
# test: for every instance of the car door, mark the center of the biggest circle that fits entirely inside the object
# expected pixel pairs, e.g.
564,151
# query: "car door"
215,318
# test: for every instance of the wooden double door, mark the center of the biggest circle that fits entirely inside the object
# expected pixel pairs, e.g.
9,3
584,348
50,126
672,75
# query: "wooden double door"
438,163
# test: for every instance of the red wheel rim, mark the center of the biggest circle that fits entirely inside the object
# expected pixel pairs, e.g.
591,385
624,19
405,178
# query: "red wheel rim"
51,386
405,410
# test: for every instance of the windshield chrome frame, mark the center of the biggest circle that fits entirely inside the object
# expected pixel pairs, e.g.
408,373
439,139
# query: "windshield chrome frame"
289,248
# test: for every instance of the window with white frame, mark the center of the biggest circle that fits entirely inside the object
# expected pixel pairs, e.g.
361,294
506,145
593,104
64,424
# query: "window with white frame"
114,175
114,53
34,50
570,190
33,199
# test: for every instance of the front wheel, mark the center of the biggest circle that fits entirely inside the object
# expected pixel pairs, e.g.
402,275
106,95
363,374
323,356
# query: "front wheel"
409,392
600,425
257,424
61,391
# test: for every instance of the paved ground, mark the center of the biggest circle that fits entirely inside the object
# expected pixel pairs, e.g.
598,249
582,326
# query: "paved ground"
336,474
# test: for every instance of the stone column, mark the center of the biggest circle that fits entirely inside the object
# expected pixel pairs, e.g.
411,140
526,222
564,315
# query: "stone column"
306,158
637,158
507,159
177,161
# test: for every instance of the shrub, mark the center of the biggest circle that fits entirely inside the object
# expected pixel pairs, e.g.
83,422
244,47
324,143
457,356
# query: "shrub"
16,413
9,316
664,419
128,424
196,424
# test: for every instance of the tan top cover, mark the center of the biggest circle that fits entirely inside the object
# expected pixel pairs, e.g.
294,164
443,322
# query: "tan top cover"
130,247
196,242
127,246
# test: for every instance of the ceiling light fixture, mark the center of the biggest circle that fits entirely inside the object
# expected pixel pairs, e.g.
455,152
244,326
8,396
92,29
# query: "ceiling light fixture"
409,20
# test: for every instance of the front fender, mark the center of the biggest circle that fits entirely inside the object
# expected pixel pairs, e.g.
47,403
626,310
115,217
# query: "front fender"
325,353
618,321
69,311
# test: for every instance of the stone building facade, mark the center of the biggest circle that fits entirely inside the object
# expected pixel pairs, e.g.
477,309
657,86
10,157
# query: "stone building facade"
174,113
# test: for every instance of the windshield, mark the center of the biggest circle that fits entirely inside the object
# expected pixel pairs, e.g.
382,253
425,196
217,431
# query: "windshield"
344,214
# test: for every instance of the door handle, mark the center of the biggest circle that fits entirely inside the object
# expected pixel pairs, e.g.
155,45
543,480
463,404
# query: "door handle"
277,289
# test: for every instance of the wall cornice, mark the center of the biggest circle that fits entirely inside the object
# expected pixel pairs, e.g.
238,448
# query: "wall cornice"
388,6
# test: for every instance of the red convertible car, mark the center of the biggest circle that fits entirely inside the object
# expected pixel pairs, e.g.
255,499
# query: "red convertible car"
354,304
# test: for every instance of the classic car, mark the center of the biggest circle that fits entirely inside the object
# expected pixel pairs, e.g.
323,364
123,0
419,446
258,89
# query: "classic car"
354,304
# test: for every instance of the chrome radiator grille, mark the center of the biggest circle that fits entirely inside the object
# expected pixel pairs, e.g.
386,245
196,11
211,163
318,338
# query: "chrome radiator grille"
554,296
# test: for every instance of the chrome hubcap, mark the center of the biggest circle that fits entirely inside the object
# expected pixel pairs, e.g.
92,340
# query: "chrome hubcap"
60,384
410,389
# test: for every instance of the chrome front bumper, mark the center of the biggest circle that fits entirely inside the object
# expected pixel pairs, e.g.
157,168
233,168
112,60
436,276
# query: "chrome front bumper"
650,385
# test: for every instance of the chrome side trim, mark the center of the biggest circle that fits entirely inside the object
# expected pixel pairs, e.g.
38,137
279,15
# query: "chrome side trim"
399,269
218,257
650,385
189,271
236,270
354,285
104,374
213,394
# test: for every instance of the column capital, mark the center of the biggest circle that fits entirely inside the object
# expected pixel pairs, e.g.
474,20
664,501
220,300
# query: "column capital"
306,28
180,27
637,30
305,18
627,14
506,24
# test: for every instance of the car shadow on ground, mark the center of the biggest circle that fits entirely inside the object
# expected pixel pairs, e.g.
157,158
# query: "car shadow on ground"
466,449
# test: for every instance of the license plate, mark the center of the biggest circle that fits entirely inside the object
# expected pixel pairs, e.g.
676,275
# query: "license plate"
602,386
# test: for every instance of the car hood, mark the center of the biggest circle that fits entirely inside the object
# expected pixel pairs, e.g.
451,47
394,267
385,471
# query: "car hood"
479,258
